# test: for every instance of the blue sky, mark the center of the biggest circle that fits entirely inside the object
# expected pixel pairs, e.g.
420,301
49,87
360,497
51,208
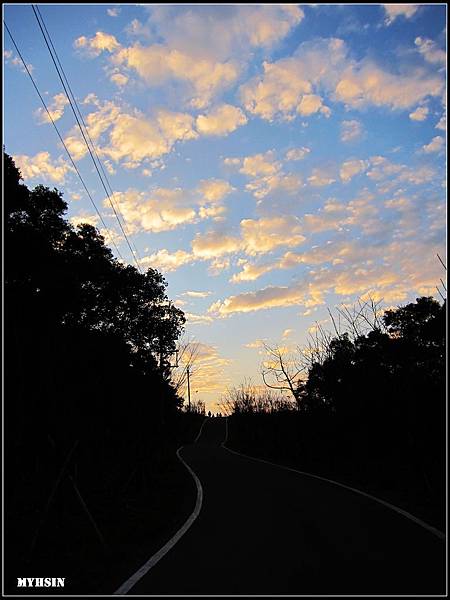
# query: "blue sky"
273,161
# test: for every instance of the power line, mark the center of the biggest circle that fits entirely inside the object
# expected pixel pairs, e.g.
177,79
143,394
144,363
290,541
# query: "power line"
82,133
135,252
61,139
84,137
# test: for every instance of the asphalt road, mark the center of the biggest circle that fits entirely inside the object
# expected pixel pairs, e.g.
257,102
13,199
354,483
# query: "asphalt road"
265,530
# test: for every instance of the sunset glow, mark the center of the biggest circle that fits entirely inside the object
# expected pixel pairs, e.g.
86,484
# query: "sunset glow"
272,161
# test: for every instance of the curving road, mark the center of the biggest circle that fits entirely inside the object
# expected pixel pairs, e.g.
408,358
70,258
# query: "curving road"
265,530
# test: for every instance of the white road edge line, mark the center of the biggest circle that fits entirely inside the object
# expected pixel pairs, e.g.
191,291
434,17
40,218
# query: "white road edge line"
200,432
406,514
129,583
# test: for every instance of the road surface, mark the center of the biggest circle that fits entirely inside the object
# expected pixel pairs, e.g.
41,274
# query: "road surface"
265,530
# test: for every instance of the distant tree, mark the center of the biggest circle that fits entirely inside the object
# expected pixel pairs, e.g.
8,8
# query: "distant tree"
281,370
249,399
187,357
198,407
421,322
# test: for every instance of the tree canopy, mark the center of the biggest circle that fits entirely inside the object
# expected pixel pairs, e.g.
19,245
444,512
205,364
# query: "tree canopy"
67,275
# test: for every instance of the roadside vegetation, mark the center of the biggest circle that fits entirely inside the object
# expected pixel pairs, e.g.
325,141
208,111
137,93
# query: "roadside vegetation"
92,417
364,404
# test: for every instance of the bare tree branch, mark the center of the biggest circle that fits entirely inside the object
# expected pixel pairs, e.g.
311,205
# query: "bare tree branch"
441,261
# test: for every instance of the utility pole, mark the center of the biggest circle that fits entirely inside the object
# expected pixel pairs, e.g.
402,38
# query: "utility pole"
189,389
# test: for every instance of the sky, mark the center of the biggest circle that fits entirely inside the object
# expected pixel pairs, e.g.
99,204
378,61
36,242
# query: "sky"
274,162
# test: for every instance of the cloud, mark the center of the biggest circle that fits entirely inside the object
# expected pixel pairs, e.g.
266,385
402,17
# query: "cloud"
218,265
165,209
436,145
84,217
166,261
290,86
272,184
277,93
327,218
108,166
257,344
295,154
215,212
232,162
158,64
310,104
138,29
381,169
250,272
350,168
336,253
113,12
381,281
323,69
101,119
270,24
208,372
161,209
259,165
119,79
420,114
224,32
200,54
16,62
137,137
42,166
56,109
360,212
213,190
363,84
269,297
393,11
257,236
263,235
222,120
430,51
351,130
378,241
194,319
214,244
442,124
210,196
320,177
390,257
101,42
76,145
194,294
131,137
176,126
266,173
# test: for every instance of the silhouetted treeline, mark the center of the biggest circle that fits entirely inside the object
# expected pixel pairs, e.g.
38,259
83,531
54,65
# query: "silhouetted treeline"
370,412
88,397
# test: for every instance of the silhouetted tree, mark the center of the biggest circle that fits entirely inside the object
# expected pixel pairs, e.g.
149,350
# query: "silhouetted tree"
372,404
88,340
